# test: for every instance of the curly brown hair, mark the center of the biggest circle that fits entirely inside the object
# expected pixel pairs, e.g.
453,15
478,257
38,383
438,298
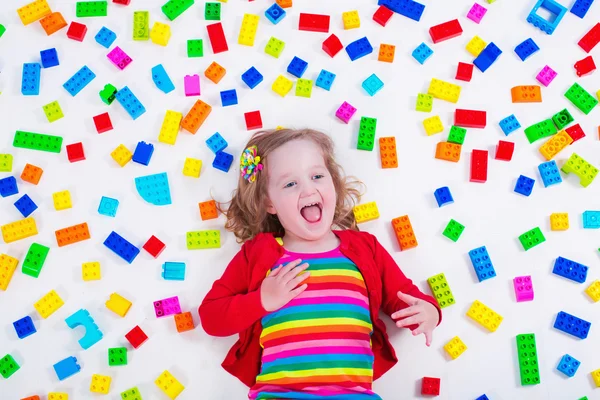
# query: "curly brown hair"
247,212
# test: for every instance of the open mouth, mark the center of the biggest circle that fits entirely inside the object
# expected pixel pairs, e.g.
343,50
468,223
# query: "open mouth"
312,212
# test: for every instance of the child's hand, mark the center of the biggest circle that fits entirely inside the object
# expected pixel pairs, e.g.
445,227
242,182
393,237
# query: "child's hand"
280,286
418,312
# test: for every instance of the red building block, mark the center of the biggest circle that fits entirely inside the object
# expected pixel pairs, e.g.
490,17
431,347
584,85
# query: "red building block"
75,152
464,72
430,386
313,22
479,166
103,122
332,45
575,132
253,120
470,118
136,337
154,246
124,2
585,66
382,15
504,150
590,39
217,38
445,31
77,31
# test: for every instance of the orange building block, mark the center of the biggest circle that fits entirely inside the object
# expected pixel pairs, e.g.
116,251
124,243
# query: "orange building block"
448,151
215,72
404,233
34,397
184,322
32,174
387,152
284,3
196,116
555,144
53,23
208,210
72,234
386,52
526,94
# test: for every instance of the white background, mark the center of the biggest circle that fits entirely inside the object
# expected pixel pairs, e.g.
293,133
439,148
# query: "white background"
493,214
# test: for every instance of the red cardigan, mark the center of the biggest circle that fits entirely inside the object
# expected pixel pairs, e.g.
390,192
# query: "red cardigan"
233,304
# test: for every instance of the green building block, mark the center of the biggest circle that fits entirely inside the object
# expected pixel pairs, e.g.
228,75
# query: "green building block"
2,30
195,48
117,356
174,8
34,261
8,366
540,130
212,11
441,290
584,398
131,394
91,9
528,360
53,111
304,87
583,169
274,47
141,25
366,133
457,135
108,94
203,240
6,161
581,98
562,118
532,238
37,141
424,102
453,230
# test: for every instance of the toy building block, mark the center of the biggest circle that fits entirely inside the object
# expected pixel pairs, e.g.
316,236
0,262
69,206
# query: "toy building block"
584,170
591,219
25,205
131,394
482,264
8,366
53,23
18,230
464,72
6,162
575,132
382,15
594,291
77,31
457,135
555,144
8,265
476,13
34,397
549,173
297,67
562,118
422,53
366,133
72,234
585,66
160,34
430,386
184,322
108,206
108,94
408,8
8,186
33,11
34,260
195,48
546,76
433,125
169,385
476,46
173,271
198,240
372,84
404,233
596,377
248,29
252,77
216,142
30,81
274,47
581,99
79,81
222,161
121,155
304,87
479,166
119,58
24,327
174,8
194,119
118,304
130,103
525,49
162,80
90,271
359,48
154,246
191,167
444,90
166,307
448,151
568,365
105,37
275,13
2,30
453,230
351,19
485,316
136,337
532,238
208,210
48,304
62,200
75,152
556,11
121,247
170,127
387,151
117,356
313,22
590,39
365,212
441,290
217,38
504,150
528,359
443,196
455,347
325,79
581,7
284,3
154,188
524,185
66,368
49,58
570,269
92,333
386,53
103,123
424,102
572,325
540,130
470,118
141,25
445,31
100,384
345,112
229,98
143,153
487,57
526,94
559,221
253,120
332,45
523,288
91,9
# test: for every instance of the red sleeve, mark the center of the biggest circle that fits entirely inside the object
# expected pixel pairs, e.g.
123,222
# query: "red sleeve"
228,308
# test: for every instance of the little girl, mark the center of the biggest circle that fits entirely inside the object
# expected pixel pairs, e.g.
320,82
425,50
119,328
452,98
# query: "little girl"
304,297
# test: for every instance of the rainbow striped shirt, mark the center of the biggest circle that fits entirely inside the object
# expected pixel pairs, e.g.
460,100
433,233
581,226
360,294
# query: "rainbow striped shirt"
318,346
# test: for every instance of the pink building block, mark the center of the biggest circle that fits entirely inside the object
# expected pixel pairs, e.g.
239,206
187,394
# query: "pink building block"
546,76
119,58
192,85
169,306
476,13
523,288
345,112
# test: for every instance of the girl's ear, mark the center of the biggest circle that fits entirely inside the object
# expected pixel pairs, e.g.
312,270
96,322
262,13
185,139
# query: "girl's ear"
270,208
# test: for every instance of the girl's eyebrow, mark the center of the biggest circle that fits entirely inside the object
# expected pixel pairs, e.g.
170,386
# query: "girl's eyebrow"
288,174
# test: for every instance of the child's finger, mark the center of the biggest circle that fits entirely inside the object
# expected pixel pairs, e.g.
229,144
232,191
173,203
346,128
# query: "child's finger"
288,267
415,319
292,273
297,280
407,298
294,293
428,337
407,312
275,272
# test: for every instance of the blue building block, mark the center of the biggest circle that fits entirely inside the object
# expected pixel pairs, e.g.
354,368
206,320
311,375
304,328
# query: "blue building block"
572,325
80,80
222,161
487,57
121,247
297,67
30,81
216,143
482,264
509,124
161,79
108,206
443,196
143,153
570,270
526,49
130,103
105,37
359,48
524,185
92,333
275,14
49,58
549,173
66,368
252,77
173,271
408,8
8,186
482,397
372,84
229,98
591,219
24,327
325,79
581,7
552,7
422,53
154,189
25,205
568,365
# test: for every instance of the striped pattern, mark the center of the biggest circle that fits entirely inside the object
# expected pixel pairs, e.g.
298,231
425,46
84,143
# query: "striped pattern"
318,346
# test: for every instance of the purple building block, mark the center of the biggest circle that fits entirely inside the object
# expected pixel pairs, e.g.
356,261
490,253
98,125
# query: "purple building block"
523,288
546,76
168,306
345,112
192,85
476,13
119,58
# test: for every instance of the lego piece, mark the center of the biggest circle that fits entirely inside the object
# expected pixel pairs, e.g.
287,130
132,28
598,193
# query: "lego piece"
248,29
34,260
121,247
594,291
275,14
485,316
528,360
366,133
443,196
313,22
479,166
154,246
217,38
345,112
504,150
62,200
253,121
523,288
30,82
76,31
166,307
487,57
568,365
130,103
33,11
32,174
297,67
100,384
433,125
160,34
524,185
75,152
359,48
72,234
430,386
424,102
575,132
453,230
192,167
555,144
194,119
103,123
422,53
455,347
562,118
372,84
174,8
216,142
526,49
212,11
117,356
386,53
170,127
105,37
581,99
18,230
325,79
6,161
441,290
162,80
591,219
470,118
195,48
184,322
365,212
136,337
444,90
25,205
2,30
24,327
108,206
585,66
35,397
532,238
482,264
222,161
48,304
556,11
108,94
581,7
53,23
118,304
154,189
8,366
66,368
559,221
382,15
199,240
596,377
408,8
169,385
274,47
351,19
49,58
8,186
590,39
570,269
476,13
143,153
464,72
8,265
387,150
119,58
540,130
91,9
78,81
584,170
252,77
90,271
448,151
228,98
208,210
131,394
445,31
572,325
173,271
141,25
476,46
121,155
92,333
332,45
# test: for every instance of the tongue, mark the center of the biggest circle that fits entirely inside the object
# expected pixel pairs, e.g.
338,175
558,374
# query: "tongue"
311,213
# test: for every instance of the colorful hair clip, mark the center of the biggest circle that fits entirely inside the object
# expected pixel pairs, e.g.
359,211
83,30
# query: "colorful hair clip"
250,164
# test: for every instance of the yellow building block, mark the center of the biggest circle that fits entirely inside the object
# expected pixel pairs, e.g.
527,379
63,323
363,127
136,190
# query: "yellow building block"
485,316
47,305
90,271
58,396
34,11
455,347
366,212
443,90
18,230
118,304
594,291
555,144
433,125
192,167
8,265
169,385
170,127
62,200
559,221
248,29
100,384
160,33
596,377
121,155
476,46
351,19
282,85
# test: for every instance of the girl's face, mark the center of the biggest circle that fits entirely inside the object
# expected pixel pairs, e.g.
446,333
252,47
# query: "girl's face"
300,190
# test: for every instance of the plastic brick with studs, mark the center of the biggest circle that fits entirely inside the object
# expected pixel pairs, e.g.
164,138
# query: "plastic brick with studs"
366,212
572,325
366,133
386,52
524,185
141,25
504,150
78,81
105,37
130,103
487,57
8,366
443,196
33,11
8,186
24,327
72,234
443,90
118,304
562,118
53,111
590,39
174,8
103,123
584,170
35,259
485,316
49,58
30,82
532,238
218,42
8,265
546,76
555,144
453,230
248,29
332,45
166,307
90,271
387,152
408,8
18,230
570,269
523,288
575,132
117,356
464,72
479,166
422,53
476,13
424,102
121,155
160,34
253,120
526,49
143,153
196,116
441,290
274,47
455,347
433,125
154,246
528,359
445,31
169,385
274,13
345,112
184,322
66,368
173,271
92,333
121,247
48,304
476,46
161,79
252,77
382,15
559,221
448,151
100,384
470,118
482,264
136,337
594,291
568,365
359,48
198,240
581,98
351,19
222,161
25,205
131,394
6,162
551,8
457,135
108,206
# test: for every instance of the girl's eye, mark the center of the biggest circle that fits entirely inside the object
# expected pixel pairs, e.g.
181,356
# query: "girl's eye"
290,184
319,176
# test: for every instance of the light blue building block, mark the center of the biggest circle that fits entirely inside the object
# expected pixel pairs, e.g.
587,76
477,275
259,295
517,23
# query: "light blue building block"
30,81
66,368
372,84
509,124
422,53
80,80
482,264
173,271
549,173
216,143
591,219
325,79
92,333
130,103
568,365
105,37
108,206
161,79
551,6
